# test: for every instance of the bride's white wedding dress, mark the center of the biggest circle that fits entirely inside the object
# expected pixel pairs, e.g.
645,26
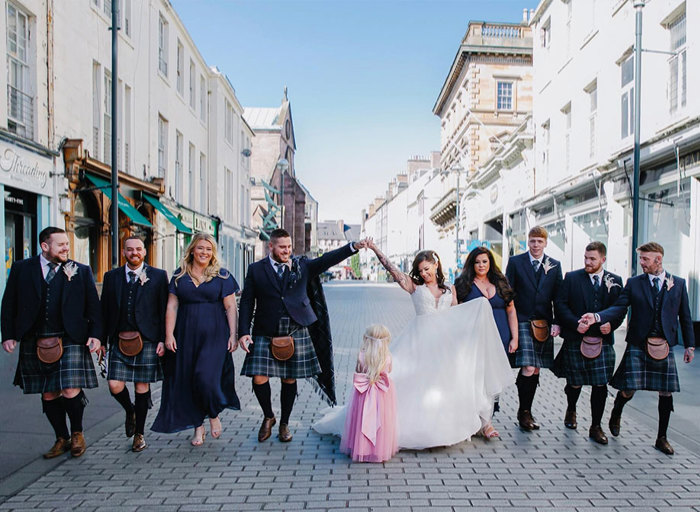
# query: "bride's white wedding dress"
448,365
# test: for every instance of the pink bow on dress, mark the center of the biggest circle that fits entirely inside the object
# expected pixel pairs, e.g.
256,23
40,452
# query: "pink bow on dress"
371,417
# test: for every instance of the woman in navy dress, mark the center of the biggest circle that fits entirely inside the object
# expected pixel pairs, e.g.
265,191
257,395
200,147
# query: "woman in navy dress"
481,277
200,333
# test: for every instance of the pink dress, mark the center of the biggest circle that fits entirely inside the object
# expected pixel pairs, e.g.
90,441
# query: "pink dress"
370,423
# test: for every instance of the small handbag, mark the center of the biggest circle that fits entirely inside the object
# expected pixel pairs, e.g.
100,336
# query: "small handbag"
591,346
282,347
540,330
49,350
130,343
657,348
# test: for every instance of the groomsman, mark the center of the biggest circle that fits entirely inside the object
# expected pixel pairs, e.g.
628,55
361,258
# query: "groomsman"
658,302
535,278
51,308
134,297
587,357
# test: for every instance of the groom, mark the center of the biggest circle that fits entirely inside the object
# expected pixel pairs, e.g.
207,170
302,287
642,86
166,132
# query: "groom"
276,301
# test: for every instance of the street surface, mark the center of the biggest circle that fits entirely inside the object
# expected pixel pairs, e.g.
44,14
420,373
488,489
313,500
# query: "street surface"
551,469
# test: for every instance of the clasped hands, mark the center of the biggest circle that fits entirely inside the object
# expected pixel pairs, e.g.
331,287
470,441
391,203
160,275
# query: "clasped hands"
587,320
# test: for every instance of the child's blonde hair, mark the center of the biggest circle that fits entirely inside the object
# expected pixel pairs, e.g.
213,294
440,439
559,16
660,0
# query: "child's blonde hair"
375,345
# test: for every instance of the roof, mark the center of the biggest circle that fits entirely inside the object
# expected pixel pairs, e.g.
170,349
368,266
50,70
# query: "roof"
352,231
329,230
260,118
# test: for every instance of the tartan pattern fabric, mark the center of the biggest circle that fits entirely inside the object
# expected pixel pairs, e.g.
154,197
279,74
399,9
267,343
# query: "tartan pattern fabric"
143,367
301,365
581,371
639,371
75,369
531,352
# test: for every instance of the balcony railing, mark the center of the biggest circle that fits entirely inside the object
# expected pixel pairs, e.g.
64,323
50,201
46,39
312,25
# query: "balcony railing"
20,115
499,34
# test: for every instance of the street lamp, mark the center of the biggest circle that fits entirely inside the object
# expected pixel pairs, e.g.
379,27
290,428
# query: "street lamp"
638,5
283,166
458,170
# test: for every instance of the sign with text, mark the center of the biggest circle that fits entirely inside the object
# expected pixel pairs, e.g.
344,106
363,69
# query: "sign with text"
25,170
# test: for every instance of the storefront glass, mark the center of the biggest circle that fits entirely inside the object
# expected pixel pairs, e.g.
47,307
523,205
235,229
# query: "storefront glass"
587,228
86,231
20,226
557,239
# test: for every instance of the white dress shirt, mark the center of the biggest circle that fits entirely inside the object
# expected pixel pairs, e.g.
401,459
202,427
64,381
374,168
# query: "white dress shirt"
137,270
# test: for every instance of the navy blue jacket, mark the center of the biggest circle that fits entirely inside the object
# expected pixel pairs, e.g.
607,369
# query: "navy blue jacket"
271,298
149,309
576,298
21,302
533,297
637,295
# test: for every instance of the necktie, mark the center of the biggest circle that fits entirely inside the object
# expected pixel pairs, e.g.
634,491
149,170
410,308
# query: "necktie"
52,271
536,265
596,282
656,286
132,277
280,270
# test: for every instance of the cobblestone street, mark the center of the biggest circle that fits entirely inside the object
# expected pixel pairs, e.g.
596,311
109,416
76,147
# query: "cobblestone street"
553,468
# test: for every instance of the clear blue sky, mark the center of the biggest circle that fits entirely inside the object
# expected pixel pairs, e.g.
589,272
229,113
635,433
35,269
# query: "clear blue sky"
363,77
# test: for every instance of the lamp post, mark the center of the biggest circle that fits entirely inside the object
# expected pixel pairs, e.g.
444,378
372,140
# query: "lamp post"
283,166
114,213
638,5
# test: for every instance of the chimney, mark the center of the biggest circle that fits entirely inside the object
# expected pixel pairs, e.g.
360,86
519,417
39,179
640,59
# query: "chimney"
525,18
434,159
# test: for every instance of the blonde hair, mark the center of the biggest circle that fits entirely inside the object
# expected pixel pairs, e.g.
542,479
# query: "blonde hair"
375,345
213,269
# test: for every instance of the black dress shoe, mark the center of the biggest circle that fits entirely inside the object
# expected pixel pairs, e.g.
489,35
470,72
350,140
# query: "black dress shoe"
130,424
596,433
614,423
285,435
266,429
526,421
664,446
570,420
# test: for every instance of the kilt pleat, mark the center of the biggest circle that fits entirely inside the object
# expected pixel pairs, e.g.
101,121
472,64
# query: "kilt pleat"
581,371
143,367
531,352
638,371
75,369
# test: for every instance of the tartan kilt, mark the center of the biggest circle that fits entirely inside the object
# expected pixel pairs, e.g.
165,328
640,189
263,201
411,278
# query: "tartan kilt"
143,367
302,364
75,369
638,371
581,371
531,352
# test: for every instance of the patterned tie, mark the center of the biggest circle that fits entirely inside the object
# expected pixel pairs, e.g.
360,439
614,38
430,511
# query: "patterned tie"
656,286
52,271
132,277
596,282
536,265
280,269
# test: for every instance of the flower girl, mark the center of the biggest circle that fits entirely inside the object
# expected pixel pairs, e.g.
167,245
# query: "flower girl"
370,424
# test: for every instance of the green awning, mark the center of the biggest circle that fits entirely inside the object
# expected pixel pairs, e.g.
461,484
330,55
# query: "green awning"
124,205
172,218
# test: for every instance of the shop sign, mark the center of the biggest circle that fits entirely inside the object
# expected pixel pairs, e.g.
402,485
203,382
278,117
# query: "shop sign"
690,160
25,170
204,224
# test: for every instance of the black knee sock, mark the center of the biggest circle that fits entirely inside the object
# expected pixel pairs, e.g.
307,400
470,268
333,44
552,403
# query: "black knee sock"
75,407
124,400
527,387
263,393
56,414
572,395
287,397
620,401
599,395
665,408
142,402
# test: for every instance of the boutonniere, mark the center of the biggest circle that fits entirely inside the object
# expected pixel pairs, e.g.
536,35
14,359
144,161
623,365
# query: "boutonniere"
70,269
143,278
669,282
609,282
547,265
295,272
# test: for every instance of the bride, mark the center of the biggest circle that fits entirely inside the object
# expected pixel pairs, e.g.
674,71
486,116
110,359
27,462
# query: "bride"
448,362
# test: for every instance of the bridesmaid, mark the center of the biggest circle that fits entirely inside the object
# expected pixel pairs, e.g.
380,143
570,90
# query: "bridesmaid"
481,277
200,333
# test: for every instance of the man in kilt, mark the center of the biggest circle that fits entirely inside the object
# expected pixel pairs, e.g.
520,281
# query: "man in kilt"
134,297
658,303
47,298
589,289
275,300
535,278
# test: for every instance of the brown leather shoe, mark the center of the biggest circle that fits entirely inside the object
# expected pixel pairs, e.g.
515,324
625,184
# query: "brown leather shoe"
77,444
664,446
139,443
60,447
266,429
570,420
526,421
130,424
596,433
614,423
285,435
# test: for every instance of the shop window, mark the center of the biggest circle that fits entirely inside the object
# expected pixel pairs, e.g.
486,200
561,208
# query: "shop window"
87,230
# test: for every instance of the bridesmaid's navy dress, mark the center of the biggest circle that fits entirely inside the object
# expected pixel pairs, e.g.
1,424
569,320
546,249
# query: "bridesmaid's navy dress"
498,305
199,377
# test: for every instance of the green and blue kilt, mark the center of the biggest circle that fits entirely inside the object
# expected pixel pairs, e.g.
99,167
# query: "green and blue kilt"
638,371
581,371
531,352
143,367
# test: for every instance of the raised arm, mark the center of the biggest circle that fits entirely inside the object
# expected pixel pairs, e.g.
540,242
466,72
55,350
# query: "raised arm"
404,280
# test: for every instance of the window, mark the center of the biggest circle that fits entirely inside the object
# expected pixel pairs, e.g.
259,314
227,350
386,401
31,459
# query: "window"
107,7
20,99
202,99
179,71
593,101
202,183
127,128
193,86
178,166
627,98
241,208
569,12
546,33
120,127
127,17
677,64
229,122
162,146
545,149
567,137
163,46
505,96
96,99
190,175
107,119
229,192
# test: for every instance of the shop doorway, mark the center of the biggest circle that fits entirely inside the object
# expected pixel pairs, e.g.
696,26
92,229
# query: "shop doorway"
20,226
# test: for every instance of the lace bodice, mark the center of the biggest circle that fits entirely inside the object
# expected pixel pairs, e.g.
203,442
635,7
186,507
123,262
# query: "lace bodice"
425,303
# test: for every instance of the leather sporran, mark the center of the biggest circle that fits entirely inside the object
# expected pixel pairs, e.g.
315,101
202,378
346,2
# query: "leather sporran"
591,347
130,343
540,330
282,347
49,350
657,348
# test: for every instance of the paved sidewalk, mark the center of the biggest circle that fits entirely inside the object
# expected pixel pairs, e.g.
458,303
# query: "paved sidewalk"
551,469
